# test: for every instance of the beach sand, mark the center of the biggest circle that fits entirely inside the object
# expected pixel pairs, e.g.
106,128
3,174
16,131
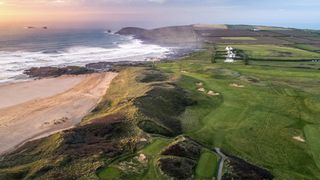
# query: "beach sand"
34,109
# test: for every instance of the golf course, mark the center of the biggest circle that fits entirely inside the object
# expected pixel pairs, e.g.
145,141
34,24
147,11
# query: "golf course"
166,120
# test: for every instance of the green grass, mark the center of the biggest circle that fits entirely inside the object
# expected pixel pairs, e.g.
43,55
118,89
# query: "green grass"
275,52
110,173
257,122
308,47
312,133
125,87
156,146
153,153
207,165
239,38
149,171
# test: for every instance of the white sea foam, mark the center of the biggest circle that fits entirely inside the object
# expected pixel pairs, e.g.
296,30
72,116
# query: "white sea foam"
12,64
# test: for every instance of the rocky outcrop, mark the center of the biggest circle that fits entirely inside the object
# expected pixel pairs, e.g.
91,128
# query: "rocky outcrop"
48,71
135,31
111,66
42,72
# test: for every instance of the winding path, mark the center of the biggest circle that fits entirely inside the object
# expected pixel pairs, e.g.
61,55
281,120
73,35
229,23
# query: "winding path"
221,162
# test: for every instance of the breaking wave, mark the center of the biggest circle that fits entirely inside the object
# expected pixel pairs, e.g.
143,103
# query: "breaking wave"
12,64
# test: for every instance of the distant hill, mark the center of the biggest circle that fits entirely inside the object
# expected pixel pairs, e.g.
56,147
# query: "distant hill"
200,33
165,35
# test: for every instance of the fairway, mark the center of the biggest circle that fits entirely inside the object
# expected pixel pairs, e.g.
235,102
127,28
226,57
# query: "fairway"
156,146
207,165
275,52
110,173
312,133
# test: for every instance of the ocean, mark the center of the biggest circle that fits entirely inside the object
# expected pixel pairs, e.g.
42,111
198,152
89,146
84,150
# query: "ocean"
25,48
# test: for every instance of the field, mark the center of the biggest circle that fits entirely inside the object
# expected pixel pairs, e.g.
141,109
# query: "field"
239,38
308,47
275,52
312,134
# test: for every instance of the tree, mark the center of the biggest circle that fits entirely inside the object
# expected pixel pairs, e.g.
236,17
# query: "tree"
214,54
244,57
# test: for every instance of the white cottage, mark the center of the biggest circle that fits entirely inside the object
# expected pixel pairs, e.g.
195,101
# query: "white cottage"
231,55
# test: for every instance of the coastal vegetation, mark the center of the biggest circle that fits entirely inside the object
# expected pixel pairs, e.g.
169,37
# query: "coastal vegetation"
165,121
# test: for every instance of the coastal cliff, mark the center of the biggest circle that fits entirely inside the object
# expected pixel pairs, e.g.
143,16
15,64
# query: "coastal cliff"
165,35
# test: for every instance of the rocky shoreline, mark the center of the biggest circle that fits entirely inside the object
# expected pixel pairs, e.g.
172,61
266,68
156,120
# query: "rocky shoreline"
182,45
103,66
49,71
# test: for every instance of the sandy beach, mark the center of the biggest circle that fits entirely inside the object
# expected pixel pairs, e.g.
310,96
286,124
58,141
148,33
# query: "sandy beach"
29,110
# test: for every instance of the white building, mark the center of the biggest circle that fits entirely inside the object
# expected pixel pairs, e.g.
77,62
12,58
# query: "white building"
231,55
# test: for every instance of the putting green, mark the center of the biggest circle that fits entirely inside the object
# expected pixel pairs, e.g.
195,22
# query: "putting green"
207,165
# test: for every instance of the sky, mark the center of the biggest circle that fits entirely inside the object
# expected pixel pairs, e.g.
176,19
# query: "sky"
156,13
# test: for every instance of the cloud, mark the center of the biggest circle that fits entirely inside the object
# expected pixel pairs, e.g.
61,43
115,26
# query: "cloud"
92,2
158,1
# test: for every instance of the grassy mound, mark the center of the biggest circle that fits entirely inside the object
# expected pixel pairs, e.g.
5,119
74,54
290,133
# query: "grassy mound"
179,159
183,148
161,106
178,168
151,75
239,169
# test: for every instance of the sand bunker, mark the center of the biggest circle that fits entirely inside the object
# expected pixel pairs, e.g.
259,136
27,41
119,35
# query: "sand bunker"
142,158
212,93
40,108
202,90
299,138
199,84
237,85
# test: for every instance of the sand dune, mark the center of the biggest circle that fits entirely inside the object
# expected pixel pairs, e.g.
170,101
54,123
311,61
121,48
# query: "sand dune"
39,108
